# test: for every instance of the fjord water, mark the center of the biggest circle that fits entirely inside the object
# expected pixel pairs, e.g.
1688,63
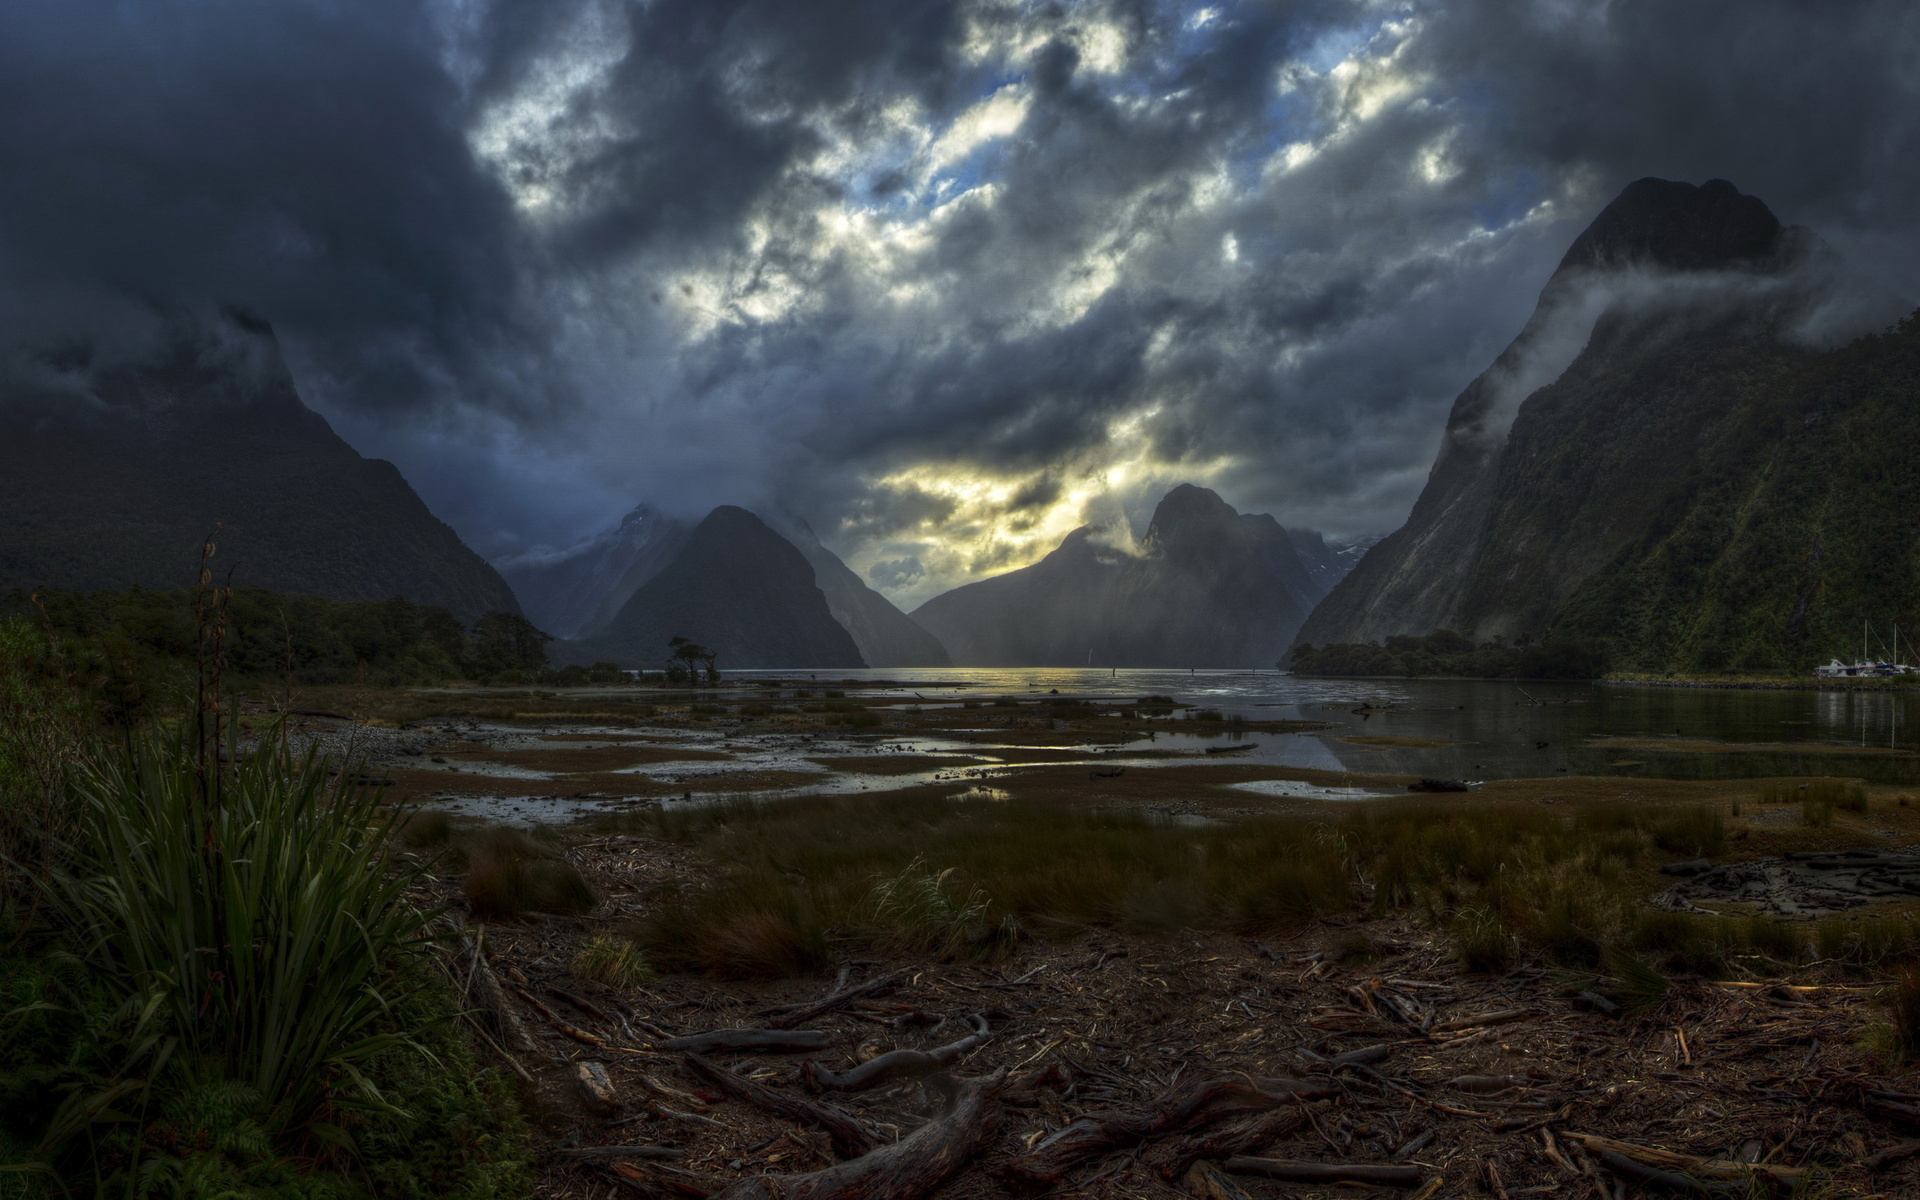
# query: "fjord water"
1497,729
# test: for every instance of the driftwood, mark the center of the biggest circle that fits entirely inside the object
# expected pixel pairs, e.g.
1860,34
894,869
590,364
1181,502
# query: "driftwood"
768,1041
489,998
1173,1157
895,1064
596,1089
1210,1183
1891,1155
1024,1091
553,1019
1296,1171
1654,1177
1503,1017
1673,1163
786,1016
1186,1111
654,1180
910,1168
654,1152
850,1138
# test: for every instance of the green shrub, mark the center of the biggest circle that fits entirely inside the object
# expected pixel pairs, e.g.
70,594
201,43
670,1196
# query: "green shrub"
235,912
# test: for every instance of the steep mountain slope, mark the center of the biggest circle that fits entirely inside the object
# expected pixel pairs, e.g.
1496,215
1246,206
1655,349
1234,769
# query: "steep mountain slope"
577,593
1209,587
1553,460
110,477
735,586
886,636
1799,520
1326,563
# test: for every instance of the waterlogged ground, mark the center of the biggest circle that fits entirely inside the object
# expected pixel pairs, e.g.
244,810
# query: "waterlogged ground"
1485,1082
1234,743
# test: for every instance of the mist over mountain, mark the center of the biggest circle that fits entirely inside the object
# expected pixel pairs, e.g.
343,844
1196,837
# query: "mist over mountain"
736,587
886,636
113,469
575,593
1691,458
1207,587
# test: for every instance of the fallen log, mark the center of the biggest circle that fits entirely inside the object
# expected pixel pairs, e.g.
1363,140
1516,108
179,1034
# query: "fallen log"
553,1019
1503,1017
1024,1091
652,1152
1208,1182
654,1180
768,1041
1188,1110
895,1064
484,989
850,1138
908,1169
1672,1162
1243,1135
1892,1154
786,1016
1293,1170
1654,1177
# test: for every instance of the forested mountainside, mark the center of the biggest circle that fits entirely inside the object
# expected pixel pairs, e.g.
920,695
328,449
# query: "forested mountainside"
112,475
1797,520
1696,489
736,587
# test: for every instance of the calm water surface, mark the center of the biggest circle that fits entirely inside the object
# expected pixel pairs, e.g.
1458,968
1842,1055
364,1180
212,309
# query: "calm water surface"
1501,730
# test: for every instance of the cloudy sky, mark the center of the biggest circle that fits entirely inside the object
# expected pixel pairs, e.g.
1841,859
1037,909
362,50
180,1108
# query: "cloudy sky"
947,279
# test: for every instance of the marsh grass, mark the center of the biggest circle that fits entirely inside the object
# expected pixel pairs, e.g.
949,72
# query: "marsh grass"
927,911
1901,999
614,962
1819,799
510,872
904,872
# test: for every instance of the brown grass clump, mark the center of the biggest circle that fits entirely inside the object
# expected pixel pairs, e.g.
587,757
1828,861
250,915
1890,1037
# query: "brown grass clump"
759,945
509,873
1902,998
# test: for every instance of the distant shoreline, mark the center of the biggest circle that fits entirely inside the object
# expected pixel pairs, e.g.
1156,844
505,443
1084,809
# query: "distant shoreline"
1767,683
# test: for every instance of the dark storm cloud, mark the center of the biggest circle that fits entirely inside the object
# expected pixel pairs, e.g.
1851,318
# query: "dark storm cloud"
556,256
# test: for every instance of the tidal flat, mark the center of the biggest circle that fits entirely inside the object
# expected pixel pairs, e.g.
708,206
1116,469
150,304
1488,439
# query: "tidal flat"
1466,991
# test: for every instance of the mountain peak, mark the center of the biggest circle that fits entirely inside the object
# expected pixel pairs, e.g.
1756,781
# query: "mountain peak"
1187,507
1671,224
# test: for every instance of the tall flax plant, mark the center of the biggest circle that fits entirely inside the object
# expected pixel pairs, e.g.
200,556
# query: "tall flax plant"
259,923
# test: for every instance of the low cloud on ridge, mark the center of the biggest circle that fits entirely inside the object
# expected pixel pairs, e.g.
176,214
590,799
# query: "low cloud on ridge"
946,278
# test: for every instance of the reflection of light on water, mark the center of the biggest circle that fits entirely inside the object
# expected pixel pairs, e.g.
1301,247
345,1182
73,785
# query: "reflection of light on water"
1296,789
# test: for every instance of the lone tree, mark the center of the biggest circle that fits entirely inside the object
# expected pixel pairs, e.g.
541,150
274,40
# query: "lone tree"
690,661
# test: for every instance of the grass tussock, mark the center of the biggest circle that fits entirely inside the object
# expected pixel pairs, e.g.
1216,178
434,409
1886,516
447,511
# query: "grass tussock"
614,962
509,872
1902,1001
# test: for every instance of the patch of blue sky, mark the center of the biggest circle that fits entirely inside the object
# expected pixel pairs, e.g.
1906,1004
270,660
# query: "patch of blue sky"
1286,119
1337,44
1507,198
